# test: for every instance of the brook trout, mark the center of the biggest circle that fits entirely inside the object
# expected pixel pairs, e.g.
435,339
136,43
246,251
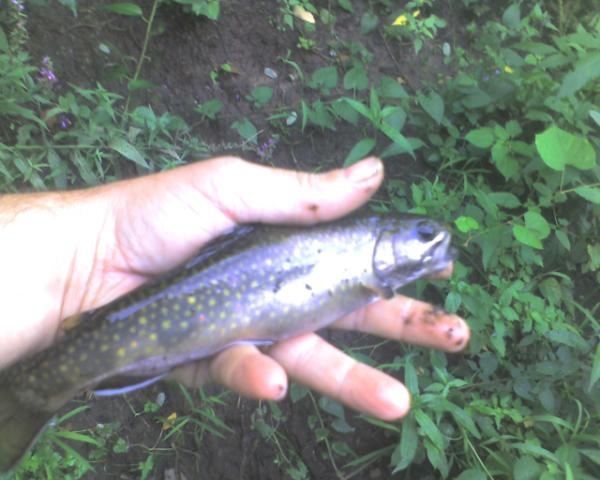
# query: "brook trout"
258,284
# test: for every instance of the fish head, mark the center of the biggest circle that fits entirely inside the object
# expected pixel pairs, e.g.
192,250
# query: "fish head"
413,247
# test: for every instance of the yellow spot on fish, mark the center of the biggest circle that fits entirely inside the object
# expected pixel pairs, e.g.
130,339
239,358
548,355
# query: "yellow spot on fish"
212,302
116,337
184,325
134,344
83,357
153,337
212,327
104,347
226,292
254,284
191,300
143,321
121,352
63,368
233,326
222,315
238,295
166,324
164,311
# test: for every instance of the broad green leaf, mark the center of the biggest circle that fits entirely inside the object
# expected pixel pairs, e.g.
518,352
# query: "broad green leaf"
346,5
125,8
360,150
368,22
563,238
261,95
324,79
433,104
125,148
246,129
526,468
405,451
504,161
512,16
591,194
210,109
595,116
390,88
360,108
481,137
526,237
586,71
472,474
592,454
559,148
595,373
356,78
71,4
505,199
568,338
466,224
537,223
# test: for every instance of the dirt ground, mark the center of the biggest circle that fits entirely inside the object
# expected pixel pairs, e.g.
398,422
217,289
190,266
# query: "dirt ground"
181,55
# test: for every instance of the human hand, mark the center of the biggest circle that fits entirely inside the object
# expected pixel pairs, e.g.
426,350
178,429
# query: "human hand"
64,253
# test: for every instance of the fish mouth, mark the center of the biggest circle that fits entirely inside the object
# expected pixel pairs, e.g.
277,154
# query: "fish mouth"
444,253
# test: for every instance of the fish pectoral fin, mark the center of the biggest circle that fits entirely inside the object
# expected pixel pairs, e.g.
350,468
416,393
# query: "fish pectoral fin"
19,428
110,391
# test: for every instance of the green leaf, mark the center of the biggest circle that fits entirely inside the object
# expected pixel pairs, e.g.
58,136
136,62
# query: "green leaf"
595,373
3,41
210,109
433,104
140,84
591,194
563,238
505,199
360,150
472,474
405,451
125,148
261,95
324,79
595,115
368,22
526,468
568,338
537,223
356,78
70,4
586,71
346,5
592,454
512,16
429,428
466,224
559,148
390,88
504,161
397,138
58,169
246,129
481,137
125,8
526,236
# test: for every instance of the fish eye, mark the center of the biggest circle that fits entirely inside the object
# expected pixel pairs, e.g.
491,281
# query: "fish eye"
426,230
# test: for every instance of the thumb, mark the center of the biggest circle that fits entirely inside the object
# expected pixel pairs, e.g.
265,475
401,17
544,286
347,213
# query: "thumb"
174,213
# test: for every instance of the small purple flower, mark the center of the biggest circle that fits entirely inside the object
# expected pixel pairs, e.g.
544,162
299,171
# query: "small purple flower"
18,4
45,72
64,122
266,147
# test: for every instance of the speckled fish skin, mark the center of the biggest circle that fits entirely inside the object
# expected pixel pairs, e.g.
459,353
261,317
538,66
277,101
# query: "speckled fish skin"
259,284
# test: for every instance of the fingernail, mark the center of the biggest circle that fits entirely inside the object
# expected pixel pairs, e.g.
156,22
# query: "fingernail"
365,171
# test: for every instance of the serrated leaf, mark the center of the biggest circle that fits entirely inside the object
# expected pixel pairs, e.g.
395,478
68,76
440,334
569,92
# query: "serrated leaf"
472,474
568,338
356,78
58,169
368,22
526,237
595,373
559,148
123,147
563,238
360,150
586,71
481,137
125,8
527,468
591,194
505,199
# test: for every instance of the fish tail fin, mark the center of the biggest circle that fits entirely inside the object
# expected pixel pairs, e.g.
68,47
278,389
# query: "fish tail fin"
19,428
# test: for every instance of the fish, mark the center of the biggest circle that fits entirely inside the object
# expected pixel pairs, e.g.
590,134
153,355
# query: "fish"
258,284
